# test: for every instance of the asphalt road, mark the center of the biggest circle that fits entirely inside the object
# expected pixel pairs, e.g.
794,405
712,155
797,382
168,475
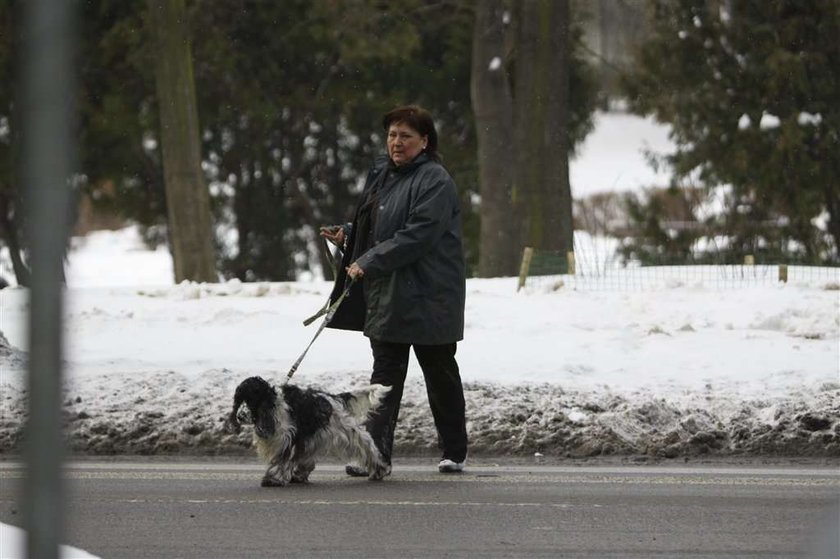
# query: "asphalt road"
204,510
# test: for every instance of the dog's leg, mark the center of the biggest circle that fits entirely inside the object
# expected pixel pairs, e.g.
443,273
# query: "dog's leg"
279,472
371,456
273,476
271,479
302,471
361,447
378,472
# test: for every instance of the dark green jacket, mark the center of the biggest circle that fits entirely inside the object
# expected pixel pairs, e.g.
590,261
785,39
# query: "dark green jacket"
414,284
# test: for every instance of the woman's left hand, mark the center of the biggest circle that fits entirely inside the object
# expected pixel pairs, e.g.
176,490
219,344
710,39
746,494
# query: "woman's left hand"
355,271
334,234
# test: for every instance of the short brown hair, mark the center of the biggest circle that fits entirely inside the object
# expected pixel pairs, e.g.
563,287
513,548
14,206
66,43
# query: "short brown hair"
420,120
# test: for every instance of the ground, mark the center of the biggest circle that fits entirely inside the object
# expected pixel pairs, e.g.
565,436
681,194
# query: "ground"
167,413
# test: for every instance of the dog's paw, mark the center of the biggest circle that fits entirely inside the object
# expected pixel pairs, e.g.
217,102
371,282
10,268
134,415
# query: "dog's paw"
269,481
379,472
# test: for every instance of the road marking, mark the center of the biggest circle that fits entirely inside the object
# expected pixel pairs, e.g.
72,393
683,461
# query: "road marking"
345,503
348,503
413,477
831,469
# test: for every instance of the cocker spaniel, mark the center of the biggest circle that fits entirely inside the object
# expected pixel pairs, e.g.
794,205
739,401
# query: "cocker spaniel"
294,426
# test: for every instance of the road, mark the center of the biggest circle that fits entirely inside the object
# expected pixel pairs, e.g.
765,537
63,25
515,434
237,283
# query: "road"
201,509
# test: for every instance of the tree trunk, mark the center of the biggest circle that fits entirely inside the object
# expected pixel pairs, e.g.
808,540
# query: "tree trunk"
541,122
9,233
187,197
499,238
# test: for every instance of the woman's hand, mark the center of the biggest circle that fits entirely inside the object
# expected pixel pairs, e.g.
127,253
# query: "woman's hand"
334,234
355,271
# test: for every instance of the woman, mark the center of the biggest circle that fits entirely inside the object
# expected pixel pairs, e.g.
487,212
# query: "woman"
404,256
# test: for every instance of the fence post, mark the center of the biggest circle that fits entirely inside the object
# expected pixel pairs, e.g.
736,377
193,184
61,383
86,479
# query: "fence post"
527,254
749,262
570,263
783,273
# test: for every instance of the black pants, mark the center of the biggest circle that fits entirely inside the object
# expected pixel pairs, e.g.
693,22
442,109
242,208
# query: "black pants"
443,387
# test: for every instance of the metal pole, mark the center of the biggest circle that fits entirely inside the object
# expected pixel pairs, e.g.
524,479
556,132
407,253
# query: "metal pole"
45,98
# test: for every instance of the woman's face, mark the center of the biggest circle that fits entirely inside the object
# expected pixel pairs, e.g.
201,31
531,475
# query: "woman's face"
404,143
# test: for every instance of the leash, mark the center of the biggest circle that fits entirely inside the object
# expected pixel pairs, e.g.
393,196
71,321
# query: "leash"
334,266
330,257
329,310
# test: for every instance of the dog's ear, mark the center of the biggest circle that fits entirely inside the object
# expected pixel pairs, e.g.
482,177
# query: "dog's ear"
260,398
264,422
232,424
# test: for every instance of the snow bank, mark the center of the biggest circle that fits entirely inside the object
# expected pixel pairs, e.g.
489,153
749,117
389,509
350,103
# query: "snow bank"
170,413
667,373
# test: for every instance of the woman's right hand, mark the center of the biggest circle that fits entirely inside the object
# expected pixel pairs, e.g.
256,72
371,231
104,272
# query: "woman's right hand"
334,234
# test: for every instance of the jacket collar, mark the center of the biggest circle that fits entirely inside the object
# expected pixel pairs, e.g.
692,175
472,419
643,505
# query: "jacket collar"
410,166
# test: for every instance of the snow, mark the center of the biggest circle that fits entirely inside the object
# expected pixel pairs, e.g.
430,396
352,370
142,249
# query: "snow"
805,119
98,255
13,540
613,157
682,369
769,121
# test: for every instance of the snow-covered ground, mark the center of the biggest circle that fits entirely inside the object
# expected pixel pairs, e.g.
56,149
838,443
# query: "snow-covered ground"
675,371
683,368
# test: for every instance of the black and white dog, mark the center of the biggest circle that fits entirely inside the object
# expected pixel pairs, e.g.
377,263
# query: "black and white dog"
295,426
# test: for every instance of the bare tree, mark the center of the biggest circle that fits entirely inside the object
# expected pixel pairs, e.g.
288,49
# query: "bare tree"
499,238
187,197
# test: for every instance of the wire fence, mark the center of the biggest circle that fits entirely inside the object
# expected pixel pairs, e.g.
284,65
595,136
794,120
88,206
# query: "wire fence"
595,266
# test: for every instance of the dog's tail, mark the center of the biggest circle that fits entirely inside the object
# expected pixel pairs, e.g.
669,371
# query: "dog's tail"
376,394
362,402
